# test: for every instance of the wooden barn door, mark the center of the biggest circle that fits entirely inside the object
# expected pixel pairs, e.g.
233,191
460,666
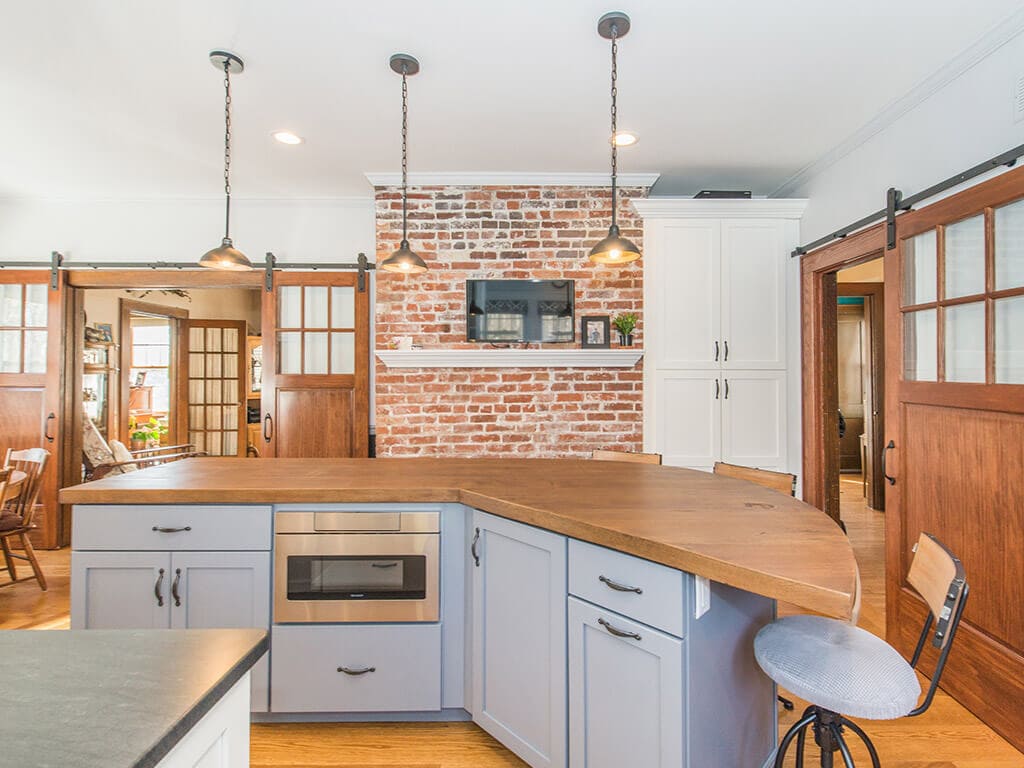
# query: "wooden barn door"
955,363
31,356
316,378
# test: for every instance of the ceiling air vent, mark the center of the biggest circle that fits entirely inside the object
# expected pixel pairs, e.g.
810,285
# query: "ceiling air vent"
1018,100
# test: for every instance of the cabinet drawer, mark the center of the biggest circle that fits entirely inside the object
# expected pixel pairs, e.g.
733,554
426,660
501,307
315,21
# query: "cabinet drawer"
650,593
186,527
405,659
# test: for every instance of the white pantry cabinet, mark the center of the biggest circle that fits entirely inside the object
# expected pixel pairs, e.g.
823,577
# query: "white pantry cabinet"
720,330
518,638
626,692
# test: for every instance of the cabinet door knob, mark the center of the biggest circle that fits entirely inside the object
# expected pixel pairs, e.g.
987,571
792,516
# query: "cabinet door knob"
618,632
158,589
618,587
356,672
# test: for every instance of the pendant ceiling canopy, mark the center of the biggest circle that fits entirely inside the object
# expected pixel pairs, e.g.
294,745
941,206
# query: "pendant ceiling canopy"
614,249
404,260
226,256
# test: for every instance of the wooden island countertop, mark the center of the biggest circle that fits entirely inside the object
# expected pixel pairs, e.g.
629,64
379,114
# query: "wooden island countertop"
727,530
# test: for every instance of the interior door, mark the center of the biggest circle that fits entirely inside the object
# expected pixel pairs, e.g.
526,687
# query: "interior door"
316,356
31,349
215,368
955,431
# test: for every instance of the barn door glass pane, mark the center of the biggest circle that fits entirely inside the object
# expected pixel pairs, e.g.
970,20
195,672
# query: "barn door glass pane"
1009,340
1010,246
289,352
316,306
920,346
343,352
10,351
316,353
965,342
35,305
10,304
919,269
965,257
343,307
289,301
35,351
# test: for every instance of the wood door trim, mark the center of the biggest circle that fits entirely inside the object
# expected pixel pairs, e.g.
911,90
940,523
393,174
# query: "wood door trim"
163,278
818,308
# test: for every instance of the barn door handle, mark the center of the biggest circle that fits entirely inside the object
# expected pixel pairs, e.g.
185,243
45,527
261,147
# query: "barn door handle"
46,429
885,474
268,428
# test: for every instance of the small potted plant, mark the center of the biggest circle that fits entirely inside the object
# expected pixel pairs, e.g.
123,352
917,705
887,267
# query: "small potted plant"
625,324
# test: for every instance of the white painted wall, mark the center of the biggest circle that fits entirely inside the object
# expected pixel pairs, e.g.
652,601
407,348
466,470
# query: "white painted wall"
964,122
183,230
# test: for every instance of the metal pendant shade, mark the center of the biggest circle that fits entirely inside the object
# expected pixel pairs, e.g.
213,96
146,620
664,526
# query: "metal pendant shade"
404,260
226,256
614,249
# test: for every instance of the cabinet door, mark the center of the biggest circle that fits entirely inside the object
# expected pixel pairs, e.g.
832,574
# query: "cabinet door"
682,287
754,419
519,679
685,423
120,590
625,692
753,294
224,590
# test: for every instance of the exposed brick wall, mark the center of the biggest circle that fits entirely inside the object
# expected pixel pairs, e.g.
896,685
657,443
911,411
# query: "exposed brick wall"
511,233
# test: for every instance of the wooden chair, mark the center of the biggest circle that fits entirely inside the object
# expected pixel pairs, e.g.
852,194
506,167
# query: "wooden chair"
16,518
783,482
636,458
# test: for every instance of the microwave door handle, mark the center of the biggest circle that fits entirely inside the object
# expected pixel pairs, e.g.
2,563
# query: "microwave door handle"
385,565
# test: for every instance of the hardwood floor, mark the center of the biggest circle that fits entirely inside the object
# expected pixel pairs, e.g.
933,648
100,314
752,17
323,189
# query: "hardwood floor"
947,736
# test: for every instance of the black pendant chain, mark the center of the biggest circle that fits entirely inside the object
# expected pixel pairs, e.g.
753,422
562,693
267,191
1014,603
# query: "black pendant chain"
615,115
227,146
405,150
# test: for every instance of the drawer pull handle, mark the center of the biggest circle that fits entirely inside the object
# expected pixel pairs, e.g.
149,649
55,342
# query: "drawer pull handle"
158,589
618,587
162,529
357,672
617,632
174,587
384,565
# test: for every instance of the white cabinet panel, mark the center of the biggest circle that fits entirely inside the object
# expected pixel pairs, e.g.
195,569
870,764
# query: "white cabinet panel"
686,423
626,692
754,419
220,739
683,323
519,656
120,590
753,294
224,590
356,668
171,527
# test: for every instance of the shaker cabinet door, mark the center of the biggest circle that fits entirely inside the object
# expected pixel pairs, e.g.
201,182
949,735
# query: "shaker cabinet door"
685,425
754,419
223,590
519,678
120,590
625,692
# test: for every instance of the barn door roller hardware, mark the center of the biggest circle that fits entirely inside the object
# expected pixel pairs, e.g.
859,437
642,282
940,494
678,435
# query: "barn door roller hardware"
361,265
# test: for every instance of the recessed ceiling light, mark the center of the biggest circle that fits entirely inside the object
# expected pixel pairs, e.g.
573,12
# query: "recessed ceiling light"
287,137
625,138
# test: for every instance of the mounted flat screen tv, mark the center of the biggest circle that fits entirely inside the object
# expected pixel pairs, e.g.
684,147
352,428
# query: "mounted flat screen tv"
520,310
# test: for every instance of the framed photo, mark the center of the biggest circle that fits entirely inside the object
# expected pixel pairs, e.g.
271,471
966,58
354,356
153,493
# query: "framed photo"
140,379
106,331
595,332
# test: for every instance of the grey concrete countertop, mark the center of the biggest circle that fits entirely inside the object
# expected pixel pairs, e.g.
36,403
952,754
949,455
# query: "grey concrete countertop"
112,698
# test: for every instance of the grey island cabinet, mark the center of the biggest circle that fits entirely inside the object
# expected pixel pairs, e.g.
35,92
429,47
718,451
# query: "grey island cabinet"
127,698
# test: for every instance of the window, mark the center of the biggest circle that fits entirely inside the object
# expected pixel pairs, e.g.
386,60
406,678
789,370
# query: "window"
150,361
963,300
23,328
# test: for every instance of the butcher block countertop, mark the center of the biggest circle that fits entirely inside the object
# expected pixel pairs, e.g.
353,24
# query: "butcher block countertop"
730,531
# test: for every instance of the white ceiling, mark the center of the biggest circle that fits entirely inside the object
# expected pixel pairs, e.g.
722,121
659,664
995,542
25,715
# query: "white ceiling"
117,99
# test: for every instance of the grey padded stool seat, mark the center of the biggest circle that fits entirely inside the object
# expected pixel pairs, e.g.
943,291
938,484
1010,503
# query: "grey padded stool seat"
844,670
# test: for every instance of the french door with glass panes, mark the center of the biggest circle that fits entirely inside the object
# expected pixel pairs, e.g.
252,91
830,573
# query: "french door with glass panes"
315,366
31,354
216,386
955,430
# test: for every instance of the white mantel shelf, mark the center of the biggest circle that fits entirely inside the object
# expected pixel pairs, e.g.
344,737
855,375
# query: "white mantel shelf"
510,358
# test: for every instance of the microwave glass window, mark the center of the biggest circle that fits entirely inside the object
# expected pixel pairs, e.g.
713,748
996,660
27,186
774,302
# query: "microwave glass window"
350,577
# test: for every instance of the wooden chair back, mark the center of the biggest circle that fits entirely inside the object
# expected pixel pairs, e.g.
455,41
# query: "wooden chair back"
636,458
938,577
5,477
31,461
783,482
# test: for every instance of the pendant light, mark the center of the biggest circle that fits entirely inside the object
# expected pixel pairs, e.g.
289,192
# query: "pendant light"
614,249
226,256
404,260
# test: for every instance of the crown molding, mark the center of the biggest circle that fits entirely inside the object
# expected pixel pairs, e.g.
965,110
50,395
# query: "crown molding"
988,44
511,179
689,208
510,358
